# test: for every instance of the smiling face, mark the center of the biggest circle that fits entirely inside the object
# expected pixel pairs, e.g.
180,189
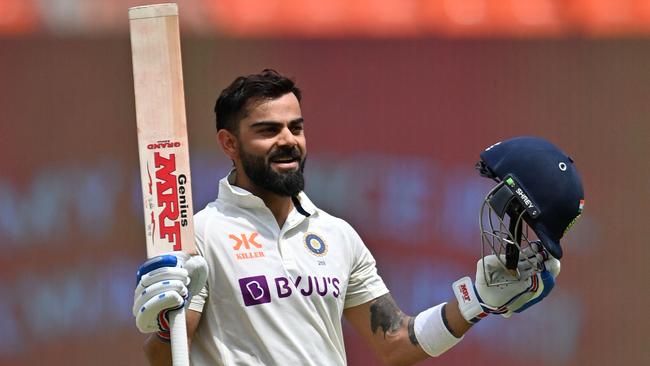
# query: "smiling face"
270,149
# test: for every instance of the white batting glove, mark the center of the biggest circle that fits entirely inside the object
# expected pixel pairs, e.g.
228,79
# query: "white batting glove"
165,283
478,300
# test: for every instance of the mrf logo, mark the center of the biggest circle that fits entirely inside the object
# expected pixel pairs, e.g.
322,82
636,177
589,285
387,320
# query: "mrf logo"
245,246
464,292
170,192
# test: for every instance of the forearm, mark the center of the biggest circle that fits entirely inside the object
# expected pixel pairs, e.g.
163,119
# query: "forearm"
399,346
454,320
398,339
392,333
438,330
157,352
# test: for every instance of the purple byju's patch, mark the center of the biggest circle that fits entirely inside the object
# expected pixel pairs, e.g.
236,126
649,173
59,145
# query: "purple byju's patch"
255,290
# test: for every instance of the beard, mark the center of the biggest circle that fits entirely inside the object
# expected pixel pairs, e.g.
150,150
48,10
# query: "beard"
260,172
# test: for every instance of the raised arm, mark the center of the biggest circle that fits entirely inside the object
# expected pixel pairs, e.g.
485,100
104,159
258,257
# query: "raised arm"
400,339
391,333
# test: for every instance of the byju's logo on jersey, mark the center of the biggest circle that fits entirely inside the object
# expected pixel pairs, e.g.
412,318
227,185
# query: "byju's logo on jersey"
255,290
315,244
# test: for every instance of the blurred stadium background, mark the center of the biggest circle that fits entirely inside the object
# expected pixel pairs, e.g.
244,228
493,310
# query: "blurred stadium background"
400,97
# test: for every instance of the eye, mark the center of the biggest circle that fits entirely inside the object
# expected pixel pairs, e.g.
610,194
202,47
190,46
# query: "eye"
268,130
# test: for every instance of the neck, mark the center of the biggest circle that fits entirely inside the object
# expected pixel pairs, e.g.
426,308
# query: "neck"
280,206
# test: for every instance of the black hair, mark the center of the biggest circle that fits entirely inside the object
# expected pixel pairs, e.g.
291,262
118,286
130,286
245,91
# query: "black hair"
234,101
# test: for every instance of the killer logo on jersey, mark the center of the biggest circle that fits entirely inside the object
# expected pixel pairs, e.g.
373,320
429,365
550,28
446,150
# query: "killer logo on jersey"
246,247
171,198
315,244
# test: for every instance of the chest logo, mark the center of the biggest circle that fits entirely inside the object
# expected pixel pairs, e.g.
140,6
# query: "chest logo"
246,246
315,244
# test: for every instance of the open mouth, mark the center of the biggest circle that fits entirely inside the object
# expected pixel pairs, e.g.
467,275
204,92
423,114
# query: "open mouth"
285,163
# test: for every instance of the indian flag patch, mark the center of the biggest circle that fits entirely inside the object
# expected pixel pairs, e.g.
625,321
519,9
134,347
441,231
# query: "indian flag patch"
582,205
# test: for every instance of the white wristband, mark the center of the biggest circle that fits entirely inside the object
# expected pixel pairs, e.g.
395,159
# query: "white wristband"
432,333
468,303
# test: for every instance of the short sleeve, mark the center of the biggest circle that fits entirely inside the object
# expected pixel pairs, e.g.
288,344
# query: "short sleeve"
365,284
197,302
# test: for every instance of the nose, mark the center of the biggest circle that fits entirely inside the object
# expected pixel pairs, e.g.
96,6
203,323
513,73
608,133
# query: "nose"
287,138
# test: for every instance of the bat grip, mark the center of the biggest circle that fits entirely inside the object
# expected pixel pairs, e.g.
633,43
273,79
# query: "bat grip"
512,257
178,333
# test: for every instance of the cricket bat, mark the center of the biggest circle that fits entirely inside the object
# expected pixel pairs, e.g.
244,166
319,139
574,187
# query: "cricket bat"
162,143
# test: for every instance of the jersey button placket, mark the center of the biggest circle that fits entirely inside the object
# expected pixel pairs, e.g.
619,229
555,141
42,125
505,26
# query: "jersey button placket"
287,253
288,257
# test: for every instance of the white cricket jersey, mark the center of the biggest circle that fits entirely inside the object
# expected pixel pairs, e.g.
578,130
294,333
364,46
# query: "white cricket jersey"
275,296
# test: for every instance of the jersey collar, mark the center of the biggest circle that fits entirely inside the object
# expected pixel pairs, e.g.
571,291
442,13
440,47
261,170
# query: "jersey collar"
243,198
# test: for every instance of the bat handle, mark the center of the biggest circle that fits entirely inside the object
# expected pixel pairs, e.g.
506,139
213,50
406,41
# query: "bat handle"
512,257
512,250
178,333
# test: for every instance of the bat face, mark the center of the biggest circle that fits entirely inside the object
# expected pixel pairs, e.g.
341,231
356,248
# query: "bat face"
162,132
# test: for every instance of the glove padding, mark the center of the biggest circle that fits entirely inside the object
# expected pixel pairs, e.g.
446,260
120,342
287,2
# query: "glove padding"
515,295
537,272
166,283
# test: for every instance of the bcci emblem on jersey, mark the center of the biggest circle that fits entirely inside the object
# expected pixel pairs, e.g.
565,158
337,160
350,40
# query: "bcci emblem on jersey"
315,244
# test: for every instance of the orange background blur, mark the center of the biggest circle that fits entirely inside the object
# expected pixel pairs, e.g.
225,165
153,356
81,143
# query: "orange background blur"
397,111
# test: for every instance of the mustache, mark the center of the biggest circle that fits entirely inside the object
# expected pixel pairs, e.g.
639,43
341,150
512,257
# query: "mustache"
285,153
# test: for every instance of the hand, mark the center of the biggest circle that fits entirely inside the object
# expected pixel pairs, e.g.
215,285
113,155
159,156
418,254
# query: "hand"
165,283
515,293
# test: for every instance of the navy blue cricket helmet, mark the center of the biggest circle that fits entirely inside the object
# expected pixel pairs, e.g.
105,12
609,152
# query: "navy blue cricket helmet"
539,182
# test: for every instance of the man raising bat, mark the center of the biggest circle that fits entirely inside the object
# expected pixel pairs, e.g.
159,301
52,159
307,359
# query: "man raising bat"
283,273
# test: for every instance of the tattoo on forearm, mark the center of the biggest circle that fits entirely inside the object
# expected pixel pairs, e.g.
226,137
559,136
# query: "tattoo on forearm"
412,337
384,313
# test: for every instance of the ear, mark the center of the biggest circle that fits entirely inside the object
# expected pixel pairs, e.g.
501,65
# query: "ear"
229,143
